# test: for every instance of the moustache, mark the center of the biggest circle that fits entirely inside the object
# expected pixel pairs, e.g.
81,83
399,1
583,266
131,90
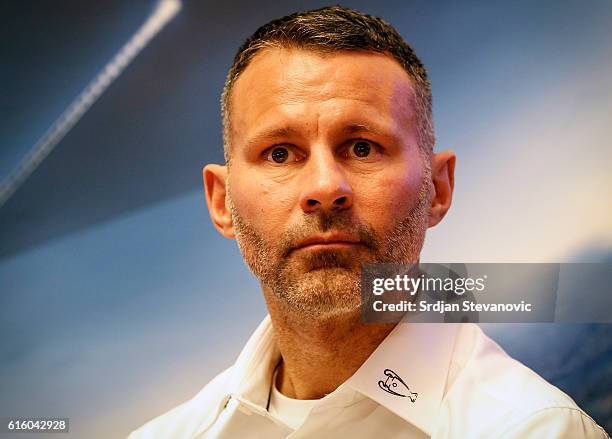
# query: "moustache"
322,222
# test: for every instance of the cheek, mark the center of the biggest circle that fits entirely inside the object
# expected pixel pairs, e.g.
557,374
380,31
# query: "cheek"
389,196
262,203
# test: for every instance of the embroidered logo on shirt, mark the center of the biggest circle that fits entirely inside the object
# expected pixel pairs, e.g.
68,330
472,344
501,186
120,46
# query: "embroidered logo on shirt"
396,386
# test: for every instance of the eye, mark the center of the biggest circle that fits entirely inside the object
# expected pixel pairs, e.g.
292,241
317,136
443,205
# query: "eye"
362,150
282,154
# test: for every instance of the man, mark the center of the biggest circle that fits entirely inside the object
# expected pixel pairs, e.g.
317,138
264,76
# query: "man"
330,165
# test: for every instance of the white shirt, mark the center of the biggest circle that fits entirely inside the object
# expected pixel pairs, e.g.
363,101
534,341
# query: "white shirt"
292,412
438,380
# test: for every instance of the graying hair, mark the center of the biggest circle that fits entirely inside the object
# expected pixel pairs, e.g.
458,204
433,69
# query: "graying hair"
328,30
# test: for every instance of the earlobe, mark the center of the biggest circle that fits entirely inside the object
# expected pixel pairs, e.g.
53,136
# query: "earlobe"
443,178
216,193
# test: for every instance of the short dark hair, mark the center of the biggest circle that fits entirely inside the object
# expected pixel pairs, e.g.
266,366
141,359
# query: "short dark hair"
333,29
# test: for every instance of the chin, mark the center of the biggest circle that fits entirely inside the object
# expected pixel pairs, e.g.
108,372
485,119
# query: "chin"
324,293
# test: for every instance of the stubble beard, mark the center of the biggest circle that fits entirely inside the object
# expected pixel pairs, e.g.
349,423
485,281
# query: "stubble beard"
327,283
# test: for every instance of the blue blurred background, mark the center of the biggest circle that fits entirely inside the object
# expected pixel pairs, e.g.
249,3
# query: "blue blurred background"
118,300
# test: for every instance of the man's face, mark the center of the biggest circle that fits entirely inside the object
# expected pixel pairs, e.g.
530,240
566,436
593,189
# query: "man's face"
326,173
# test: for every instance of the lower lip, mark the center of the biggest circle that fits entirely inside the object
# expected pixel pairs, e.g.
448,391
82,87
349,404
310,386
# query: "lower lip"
329,246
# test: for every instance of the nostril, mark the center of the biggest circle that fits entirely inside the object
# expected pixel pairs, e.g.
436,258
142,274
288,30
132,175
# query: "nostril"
340,201
312,202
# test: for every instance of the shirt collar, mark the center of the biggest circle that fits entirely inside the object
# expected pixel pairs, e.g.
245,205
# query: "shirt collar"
408,371
414,356
254,368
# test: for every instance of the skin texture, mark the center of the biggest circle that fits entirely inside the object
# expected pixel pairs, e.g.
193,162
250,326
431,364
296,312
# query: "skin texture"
352,187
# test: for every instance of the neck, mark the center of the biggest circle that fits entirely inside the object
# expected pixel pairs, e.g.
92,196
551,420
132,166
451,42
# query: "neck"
319,354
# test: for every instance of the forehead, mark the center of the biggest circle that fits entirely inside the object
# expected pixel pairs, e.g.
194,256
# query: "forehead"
281,85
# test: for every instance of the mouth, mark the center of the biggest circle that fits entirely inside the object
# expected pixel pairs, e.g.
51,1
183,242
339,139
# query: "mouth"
332,241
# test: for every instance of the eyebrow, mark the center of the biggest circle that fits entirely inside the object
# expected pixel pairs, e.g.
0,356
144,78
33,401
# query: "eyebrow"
273,133
285,132
359,128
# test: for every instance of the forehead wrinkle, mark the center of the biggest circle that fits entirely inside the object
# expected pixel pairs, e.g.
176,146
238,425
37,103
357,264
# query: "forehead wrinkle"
297,86
322,82
350,121
301,81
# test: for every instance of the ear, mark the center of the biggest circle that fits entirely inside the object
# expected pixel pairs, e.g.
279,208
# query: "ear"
214,186
443,177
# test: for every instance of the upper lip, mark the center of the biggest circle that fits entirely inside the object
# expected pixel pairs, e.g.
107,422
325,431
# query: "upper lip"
328,238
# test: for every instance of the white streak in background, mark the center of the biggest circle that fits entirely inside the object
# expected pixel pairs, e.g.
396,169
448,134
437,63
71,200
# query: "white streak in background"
534,186
164,11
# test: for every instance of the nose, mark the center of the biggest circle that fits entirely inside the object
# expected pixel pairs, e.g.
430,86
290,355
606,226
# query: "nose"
325,186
